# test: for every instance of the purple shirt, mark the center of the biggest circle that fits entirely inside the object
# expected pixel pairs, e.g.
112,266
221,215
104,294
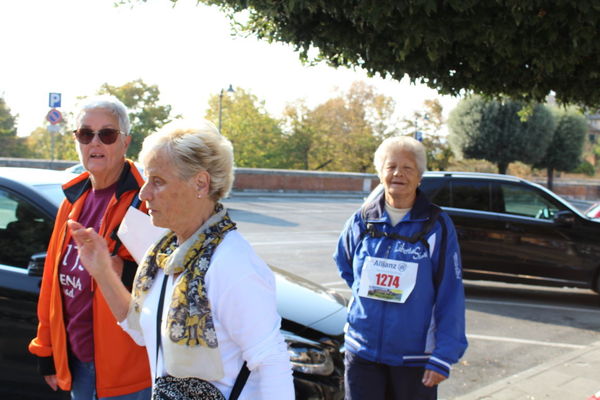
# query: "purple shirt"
75,281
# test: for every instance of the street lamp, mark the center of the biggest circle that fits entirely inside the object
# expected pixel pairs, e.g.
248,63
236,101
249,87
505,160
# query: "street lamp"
229,90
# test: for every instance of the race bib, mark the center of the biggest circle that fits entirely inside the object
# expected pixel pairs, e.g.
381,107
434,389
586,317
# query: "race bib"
387,280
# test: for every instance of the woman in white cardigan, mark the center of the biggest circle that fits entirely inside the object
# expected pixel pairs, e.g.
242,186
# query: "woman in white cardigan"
219,296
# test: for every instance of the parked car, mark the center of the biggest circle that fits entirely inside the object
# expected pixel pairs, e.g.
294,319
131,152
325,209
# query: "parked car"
312,316
513,230
593,211
79,168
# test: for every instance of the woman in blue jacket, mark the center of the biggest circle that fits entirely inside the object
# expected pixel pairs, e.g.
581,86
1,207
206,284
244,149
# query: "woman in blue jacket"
399,254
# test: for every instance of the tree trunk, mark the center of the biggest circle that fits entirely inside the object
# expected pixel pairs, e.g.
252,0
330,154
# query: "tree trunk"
550,178
502,167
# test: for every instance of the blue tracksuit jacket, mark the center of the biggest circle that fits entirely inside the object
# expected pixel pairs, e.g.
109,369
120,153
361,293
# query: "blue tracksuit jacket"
428,329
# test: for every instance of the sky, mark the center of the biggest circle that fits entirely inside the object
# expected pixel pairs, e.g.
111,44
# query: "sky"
72,47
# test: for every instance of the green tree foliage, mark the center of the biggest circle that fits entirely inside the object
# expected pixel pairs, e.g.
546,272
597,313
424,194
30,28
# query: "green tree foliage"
147,115
429,122
493,131
39,143
522,49
256,136
341,134
10,144
565,149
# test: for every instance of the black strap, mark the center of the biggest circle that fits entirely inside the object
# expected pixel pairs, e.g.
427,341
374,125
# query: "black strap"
240,381
244,373
161,302
419,236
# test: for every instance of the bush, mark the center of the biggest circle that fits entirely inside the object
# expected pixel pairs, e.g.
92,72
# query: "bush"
585,168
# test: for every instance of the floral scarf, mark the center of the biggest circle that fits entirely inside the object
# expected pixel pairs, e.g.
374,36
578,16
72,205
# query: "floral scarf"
189,320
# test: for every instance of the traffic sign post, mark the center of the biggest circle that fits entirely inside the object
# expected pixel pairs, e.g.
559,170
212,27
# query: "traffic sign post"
54,100
54,116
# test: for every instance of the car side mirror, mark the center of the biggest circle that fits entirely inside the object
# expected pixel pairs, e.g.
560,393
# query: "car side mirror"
36,264
564,218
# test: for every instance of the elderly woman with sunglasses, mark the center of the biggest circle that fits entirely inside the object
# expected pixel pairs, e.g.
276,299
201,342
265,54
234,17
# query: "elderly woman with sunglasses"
79,345
219,302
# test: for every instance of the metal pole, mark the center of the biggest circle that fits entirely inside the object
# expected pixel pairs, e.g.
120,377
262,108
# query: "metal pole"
220,108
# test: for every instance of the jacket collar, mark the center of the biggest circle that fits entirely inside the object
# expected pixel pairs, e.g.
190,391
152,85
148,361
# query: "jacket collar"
374,211
77,187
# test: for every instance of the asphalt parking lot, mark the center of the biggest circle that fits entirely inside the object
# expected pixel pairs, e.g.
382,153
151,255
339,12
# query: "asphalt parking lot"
511,328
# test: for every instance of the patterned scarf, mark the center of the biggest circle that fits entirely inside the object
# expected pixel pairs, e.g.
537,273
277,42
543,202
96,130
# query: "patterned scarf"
189,320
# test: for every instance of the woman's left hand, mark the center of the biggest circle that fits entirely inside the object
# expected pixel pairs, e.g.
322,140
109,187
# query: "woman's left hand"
432,378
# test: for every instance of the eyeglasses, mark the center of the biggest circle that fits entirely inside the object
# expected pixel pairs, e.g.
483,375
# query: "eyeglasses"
106,135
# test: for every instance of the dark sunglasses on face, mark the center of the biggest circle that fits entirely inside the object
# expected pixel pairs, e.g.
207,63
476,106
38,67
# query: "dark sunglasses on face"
106,135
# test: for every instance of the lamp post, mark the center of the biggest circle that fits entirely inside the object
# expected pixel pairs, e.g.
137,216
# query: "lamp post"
229,90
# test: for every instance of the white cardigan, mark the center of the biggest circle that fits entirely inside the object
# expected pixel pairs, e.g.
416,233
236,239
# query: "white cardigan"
241,292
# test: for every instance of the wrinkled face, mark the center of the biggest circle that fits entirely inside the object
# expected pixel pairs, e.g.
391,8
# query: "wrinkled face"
400,175
170,199
99,158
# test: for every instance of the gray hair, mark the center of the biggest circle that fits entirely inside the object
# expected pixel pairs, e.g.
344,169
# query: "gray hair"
403,143
106,102
192,150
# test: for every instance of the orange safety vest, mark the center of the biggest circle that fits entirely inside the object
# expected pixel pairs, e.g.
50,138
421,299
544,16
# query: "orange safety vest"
121,365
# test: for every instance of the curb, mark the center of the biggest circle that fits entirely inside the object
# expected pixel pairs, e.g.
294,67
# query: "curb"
489,392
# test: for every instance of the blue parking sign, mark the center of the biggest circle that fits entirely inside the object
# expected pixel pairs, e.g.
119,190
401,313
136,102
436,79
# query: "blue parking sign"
54,100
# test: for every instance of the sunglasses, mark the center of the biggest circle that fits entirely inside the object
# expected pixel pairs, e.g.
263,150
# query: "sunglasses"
106,135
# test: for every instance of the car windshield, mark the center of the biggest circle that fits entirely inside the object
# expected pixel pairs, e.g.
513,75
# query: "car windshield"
53,192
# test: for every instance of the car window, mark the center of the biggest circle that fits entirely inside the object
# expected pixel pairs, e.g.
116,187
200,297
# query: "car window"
24,230
522,200
436,190
471,194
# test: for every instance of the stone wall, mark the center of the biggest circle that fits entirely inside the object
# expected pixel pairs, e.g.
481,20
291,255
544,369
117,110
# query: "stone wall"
294,181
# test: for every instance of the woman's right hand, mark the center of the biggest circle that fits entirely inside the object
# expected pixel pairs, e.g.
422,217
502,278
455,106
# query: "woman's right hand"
92,248
51,381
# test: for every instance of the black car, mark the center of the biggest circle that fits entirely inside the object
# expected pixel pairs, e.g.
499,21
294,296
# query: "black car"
513,230
312,316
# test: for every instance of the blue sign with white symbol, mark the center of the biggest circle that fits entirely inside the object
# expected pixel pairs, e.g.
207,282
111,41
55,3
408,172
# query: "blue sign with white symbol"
54,116
419,136
54,100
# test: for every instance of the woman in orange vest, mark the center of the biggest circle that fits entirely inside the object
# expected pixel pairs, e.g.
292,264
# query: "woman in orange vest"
79,345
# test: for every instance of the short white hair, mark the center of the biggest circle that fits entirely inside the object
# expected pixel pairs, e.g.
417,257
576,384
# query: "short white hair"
405,143
195,149
106,102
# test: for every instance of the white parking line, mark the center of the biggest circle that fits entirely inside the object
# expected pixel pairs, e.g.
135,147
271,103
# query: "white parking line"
525,341
327,242
532,305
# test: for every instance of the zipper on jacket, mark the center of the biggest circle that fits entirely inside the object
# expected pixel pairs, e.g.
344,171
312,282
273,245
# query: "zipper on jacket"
383,313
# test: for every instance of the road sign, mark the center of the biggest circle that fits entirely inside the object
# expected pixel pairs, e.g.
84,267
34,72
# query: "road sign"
54,116
54,100
419,136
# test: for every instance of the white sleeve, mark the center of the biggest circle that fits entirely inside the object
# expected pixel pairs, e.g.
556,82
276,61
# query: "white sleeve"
247,310
136,335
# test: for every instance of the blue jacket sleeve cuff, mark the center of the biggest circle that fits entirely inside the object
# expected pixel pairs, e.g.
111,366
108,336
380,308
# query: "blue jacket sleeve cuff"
439,366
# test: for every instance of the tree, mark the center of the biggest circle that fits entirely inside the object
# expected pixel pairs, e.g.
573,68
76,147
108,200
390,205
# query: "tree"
522,49
39,143
145,112
564,151
343,133
429,122
10,144
256,136
492,130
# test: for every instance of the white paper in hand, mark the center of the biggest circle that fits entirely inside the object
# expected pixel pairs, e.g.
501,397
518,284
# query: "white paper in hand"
137,233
